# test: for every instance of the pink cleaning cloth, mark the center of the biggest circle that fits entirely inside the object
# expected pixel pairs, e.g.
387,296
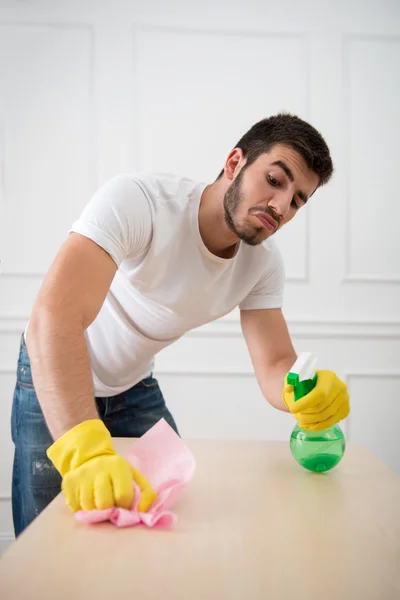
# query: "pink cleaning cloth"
168,464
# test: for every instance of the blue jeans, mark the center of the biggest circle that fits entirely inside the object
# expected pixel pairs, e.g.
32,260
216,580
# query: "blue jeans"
35,480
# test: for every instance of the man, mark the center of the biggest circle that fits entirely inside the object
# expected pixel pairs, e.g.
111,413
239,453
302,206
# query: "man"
150,258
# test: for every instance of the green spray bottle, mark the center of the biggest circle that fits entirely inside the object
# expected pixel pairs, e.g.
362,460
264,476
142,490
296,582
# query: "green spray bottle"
316,451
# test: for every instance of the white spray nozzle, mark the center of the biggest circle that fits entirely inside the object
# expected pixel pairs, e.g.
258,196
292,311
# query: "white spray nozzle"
304,366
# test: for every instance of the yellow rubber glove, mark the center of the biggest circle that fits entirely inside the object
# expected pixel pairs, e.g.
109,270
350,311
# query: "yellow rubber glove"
94,475
323,407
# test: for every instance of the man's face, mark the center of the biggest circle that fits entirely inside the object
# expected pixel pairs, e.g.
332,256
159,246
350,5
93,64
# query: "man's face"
268,194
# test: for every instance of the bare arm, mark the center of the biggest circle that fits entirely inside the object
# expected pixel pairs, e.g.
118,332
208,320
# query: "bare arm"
271,351
71,296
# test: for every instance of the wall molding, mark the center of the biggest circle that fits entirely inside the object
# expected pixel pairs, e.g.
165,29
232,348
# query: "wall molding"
2,163
372,373
348,374
235,372
302,327
369,278
349,275
235,32
13,324
6,539
309,328
22,275
351,374
92,158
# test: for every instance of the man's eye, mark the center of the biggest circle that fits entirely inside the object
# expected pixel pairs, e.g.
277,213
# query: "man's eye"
273,181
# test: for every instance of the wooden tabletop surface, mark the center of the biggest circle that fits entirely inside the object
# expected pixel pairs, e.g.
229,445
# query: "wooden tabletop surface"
251,525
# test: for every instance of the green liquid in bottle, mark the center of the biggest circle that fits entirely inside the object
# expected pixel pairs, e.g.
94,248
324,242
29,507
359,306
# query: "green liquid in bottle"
318,451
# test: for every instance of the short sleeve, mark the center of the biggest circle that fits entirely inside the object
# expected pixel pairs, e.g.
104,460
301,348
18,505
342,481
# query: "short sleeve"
118,218
268,291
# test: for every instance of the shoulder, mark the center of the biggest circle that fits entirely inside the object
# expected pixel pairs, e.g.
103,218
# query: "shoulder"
272,252
267,256
164,186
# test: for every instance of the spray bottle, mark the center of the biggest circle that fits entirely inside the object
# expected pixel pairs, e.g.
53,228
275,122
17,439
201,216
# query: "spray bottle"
316,451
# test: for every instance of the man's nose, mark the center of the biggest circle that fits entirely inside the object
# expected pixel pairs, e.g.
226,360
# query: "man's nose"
280,204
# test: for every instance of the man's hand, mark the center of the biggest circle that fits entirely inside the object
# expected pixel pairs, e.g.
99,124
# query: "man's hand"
94,476
324,406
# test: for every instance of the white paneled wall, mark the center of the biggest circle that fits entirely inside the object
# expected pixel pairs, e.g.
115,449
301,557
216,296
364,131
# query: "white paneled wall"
92,89
48,146
372,76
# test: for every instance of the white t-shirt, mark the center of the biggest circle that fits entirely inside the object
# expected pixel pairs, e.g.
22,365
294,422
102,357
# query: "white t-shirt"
167,281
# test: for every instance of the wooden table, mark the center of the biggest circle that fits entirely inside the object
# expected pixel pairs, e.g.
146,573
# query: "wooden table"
251,525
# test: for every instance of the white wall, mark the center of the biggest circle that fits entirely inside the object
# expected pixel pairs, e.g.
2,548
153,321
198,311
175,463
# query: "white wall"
90,89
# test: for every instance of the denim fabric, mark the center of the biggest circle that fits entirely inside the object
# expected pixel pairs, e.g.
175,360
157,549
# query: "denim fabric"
36,481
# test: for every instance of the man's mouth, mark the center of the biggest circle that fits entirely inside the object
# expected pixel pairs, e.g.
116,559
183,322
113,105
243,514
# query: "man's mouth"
268,222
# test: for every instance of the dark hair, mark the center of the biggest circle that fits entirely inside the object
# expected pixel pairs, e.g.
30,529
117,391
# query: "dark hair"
291,131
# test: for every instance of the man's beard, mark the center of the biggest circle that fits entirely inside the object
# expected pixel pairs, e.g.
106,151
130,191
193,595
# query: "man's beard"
232,200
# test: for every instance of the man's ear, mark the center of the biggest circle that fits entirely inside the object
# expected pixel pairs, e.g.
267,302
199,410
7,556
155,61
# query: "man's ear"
234,163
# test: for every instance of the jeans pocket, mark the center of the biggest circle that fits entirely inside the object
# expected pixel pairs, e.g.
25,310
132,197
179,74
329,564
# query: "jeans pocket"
43,473
24,376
